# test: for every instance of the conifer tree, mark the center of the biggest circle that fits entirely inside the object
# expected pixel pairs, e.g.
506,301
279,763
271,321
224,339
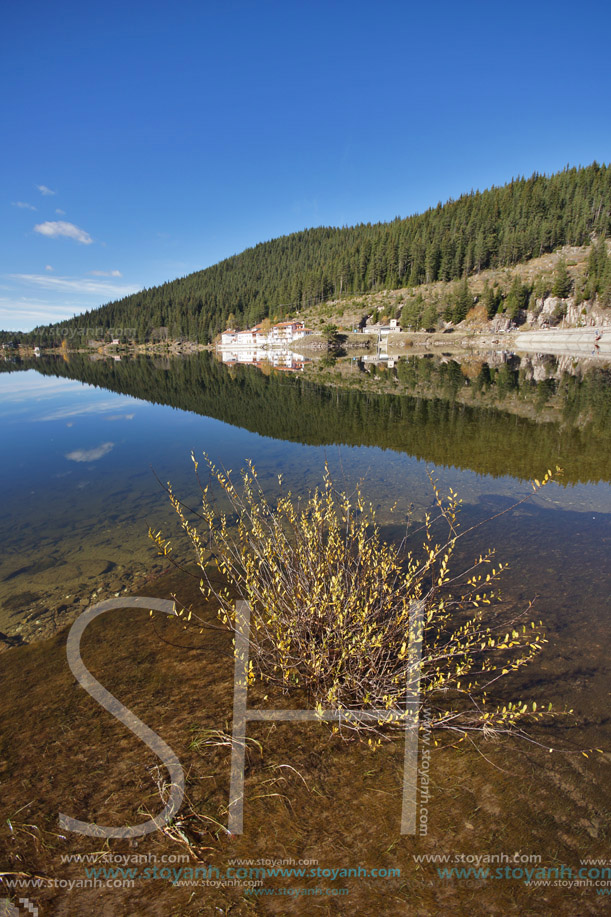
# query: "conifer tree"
563,283
517,299
491,299
463,302
430,318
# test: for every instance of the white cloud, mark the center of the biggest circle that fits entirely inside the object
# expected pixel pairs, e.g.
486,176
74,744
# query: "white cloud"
77,285
90,455
23,205
21,314
38,299
60,212
45,191
23,387
48,267
106,273
59,228
100,407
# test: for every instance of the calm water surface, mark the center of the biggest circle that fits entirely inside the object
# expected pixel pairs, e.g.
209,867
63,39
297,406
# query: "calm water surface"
79,461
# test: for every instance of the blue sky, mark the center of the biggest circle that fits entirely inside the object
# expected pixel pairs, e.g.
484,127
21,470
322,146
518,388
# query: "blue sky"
142,141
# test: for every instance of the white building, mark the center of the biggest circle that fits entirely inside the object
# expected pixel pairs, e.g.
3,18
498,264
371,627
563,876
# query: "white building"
288,331
280,335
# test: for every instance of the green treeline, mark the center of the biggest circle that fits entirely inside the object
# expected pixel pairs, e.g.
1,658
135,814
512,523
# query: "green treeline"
497,227
440,430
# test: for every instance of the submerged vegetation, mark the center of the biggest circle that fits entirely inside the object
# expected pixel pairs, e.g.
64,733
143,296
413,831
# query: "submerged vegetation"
337,610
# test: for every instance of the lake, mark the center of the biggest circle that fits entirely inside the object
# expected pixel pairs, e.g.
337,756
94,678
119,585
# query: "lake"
87,445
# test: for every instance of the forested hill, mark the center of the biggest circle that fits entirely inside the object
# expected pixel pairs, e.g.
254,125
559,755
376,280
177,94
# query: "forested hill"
497,227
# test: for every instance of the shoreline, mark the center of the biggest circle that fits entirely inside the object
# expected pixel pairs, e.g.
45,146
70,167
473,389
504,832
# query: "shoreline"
583,342
565,341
